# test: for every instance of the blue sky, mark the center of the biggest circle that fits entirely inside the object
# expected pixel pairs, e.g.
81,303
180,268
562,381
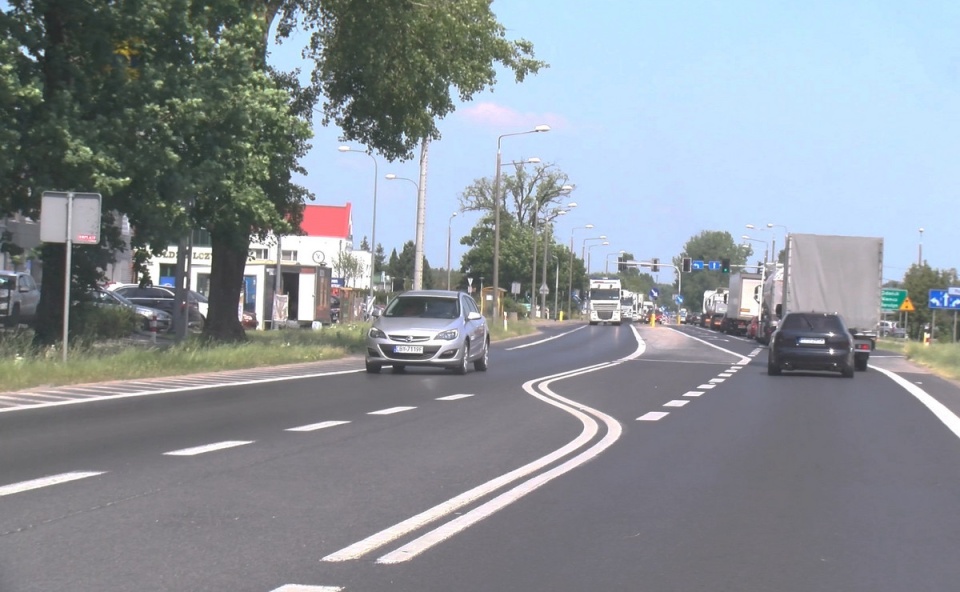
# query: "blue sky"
676,117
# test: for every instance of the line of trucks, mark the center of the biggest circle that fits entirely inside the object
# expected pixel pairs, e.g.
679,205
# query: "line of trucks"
823,273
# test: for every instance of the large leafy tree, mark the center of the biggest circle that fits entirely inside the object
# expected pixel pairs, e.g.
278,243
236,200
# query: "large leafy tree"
918,281
708,245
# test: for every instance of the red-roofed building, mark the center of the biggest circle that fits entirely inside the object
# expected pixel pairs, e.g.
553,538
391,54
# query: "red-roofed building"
328,221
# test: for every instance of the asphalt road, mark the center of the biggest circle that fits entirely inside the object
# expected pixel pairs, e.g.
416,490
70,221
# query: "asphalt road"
586,458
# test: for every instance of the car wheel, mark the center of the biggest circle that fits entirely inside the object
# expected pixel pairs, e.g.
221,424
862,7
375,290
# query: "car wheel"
860,364
398,369
773,369
847,372
464,360
373,367
484,361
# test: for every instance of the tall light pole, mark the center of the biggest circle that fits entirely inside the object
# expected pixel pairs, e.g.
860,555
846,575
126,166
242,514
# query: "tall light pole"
603,244
570,269
546,246
920,249
373,229
449,223
606,263
583,249
556,289
565,190
392,177
496,218
774,256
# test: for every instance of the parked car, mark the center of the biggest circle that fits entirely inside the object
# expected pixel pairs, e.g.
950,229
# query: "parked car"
891,329
436,328
811,341
19,298
163,298
693,318
145,314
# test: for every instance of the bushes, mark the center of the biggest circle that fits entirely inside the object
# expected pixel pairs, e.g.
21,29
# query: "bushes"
89,323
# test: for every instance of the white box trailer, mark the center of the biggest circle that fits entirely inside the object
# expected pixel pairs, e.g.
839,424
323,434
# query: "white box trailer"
743,302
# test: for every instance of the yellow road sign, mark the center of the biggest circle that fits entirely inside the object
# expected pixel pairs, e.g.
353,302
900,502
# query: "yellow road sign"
907,305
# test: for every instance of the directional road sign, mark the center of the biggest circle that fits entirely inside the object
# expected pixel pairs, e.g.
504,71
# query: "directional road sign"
544,289
891,299
942,299
713,265
654,293
678,298
696,264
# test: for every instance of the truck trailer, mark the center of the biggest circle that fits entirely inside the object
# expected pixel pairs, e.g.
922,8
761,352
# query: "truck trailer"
743,302
841,274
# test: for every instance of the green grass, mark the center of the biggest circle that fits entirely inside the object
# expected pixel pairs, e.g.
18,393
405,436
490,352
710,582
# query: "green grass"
943,358
23,367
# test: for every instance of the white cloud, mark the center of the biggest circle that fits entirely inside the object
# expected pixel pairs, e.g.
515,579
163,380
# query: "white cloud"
492,114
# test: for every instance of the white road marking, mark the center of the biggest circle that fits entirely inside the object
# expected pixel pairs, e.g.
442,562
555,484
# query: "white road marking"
558,336
301,588
675,403
743,359
208,448
725,374
377,540
391,411
949,418
706,386
734,369
183,389
47,481
693,393
653,416
453,397
316,426
716,380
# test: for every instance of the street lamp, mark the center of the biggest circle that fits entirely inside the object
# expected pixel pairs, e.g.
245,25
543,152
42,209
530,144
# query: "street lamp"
373,230
763,274
583,248
496,217
920,249
449,222
546,247
392,177
565,190
570,269
606,263
603,244
773,249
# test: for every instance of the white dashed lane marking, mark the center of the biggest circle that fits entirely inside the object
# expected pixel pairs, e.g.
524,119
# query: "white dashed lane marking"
208,448
300,588
46,481
653,416
725,374
693,393
317,426
391,411
706,386
675,403
717,380
453,397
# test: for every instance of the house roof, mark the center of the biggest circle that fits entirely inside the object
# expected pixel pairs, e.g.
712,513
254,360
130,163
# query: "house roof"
327,221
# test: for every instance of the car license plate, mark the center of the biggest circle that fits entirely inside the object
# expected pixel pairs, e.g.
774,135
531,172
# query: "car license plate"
813,340
408,349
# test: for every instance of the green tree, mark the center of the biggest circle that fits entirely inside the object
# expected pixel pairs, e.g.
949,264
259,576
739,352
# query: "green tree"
918,281
709,245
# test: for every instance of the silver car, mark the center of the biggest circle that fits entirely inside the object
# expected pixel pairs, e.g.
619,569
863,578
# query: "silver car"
438,328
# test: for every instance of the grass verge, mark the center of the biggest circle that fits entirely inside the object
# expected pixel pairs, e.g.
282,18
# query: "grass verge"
23,367
942,358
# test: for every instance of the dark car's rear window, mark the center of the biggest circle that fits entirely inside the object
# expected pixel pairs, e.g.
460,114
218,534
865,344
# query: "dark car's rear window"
813,323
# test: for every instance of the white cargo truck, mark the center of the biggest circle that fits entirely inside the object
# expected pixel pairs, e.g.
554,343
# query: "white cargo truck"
743,302
603,304
841,274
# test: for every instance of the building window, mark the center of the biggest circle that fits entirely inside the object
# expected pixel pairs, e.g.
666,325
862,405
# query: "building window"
288,255
257,254
201,238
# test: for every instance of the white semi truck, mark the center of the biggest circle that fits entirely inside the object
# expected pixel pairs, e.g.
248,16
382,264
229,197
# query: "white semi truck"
743,302
603,304
841,274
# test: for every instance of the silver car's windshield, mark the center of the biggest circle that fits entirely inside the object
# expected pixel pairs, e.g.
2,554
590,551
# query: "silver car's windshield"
424,307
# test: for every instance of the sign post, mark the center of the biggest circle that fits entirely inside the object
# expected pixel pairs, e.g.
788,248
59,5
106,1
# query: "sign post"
68,217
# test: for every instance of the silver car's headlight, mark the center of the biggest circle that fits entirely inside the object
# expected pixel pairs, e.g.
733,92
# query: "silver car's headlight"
448,335
375,333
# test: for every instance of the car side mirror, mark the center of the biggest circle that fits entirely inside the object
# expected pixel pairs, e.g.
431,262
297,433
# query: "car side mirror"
375,312
474,316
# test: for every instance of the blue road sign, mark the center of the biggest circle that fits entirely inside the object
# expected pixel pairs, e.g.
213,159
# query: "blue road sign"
943,299
678,298
654,293
713,265
696,264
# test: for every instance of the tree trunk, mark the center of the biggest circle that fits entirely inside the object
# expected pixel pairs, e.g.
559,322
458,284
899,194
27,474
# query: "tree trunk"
229,258
48,327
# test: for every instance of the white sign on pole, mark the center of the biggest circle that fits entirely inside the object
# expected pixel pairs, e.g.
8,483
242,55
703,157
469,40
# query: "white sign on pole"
84,217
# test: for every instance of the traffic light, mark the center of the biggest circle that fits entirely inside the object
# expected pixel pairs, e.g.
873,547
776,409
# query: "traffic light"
725,265
621,267
687,264
655,267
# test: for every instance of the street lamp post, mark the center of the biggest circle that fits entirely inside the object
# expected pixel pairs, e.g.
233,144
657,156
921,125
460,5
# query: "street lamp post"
603,244
392,177
496,217
533,283
606,263
556,289
449,223
763,275
536,215
774,256
583,249
373,229
920,249
570,269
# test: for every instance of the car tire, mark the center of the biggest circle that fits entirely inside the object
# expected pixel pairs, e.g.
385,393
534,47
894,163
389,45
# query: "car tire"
373,367
462,367
484,361
860,364
847,372
773,369
398,369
